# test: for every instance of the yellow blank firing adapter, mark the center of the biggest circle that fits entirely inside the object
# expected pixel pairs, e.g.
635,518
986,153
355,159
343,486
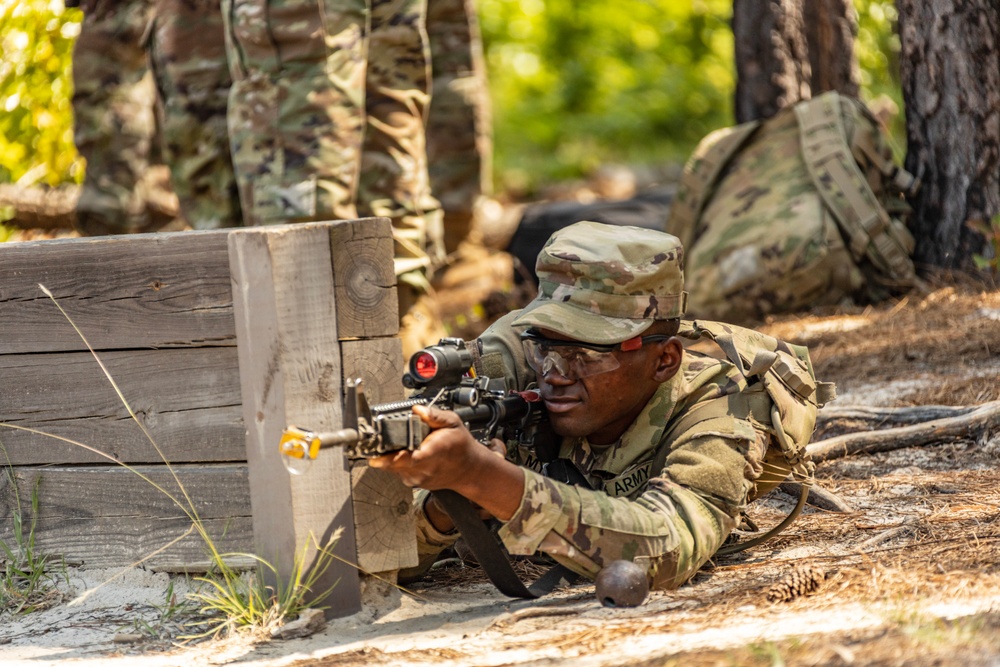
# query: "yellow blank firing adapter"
299,443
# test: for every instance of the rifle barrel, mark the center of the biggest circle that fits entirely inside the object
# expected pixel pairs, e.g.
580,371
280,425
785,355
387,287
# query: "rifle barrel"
339,438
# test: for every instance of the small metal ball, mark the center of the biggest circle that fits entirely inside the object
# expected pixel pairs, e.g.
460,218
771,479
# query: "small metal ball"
621,583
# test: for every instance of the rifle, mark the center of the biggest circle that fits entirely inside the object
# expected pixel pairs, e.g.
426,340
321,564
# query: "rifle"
440,375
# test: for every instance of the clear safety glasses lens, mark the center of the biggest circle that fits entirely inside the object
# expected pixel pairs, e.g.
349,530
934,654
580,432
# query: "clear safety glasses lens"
569,359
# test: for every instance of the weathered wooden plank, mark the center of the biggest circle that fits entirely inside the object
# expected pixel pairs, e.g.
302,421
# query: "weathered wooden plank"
142,290
109,516
378,362
365,279
188,399
383,518
284,306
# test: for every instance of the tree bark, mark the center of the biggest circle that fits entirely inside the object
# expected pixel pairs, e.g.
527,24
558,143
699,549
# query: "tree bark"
950,68
772,61
830,28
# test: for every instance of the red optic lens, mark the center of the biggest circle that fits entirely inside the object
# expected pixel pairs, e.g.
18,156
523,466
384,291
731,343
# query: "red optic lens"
425,366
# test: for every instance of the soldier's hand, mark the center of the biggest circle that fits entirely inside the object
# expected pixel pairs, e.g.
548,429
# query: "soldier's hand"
450,458
447,454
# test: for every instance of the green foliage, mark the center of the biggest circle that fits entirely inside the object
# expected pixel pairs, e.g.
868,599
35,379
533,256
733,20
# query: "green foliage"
36,118
6,233
990,262
27,580
233,600
878,51
578,83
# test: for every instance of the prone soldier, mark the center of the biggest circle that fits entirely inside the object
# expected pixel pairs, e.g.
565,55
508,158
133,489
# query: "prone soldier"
661,448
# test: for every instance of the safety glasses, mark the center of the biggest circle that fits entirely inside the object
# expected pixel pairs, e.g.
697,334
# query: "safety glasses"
575,360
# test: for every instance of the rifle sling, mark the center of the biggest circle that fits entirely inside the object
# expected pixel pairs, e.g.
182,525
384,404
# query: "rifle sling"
491,557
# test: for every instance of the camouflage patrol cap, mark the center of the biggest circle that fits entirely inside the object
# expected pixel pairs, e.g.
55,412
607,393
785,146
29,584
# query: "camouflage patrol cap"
605,284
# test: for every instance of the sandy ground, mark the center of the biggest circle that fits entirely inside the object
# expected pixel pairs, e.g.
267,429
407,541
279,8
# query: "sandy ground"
910,576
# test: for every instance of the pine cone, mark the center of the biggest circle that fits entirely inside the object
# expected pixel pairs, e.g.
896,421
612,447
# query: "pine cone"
802,580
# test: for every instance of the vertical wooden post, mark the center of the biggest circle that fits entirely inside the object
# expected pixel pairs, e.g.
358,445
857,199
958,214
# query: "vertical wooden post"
367,324
383,514
290,372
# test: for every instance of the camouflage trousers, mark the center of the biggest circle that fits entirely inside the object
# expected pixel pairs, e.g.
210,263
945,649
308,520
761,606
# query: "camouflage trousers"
150,86
459,134
327,116
115,127
187,56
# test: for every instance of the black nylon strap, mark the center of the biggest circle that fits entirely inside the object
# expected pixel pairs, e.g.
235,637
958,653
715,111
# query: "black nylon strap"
492,559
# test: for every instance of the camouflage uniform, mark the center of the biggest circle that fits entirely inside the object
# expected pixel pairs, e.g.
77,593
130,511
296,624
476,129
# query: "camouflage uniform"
459,136
670,491
188,59
114,122
326,115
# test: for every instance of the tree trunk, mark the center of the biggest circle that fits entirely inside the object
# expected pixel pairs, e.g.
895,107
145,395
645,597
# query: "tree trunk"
950,68
830,27
772,62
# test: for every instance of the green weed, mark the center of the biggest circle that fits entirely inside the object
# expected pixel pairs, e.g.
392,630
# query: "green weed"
767,652
934,632
171,618
28,581
232,600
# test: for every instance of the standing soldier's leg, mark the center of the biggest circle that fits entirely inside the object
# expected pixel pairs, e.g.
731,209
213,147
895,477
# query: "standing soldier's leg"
394,180
188,59
114,123
459,135
296,107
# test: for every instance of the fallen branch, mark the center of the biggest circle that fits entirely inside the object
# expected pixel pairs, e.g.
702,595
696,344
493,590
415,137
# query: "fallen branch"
890,534
966,425
40,208
538,612
55,208
878,417
557,607
819,497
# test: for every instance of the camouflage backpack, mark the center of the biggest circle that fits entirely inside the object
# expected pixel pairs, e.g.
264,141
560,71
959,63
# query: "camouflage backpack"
802,209
783,397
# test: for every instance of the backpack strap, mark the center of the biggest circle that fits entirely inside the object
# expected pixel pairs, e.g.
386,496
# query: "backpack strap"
699,413
700,174
793,393
869,229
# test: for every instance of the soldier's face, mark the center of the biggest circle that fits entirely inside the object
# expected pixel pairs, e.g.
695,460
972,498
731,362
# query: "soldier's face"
601,407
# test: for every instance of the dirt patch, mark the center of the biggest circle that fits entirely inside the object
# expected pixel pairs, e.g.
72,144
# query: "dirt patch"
911,576
939,348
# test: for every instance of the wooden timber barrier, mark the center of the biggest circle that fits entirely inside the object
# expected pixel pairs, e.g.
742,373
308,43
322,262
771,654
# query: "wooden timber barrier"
217,340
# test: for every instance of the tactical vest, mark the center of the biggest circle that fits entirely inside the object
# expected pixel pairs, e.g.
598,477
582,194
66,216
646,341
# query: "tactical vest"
798,210
789,401
787,407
